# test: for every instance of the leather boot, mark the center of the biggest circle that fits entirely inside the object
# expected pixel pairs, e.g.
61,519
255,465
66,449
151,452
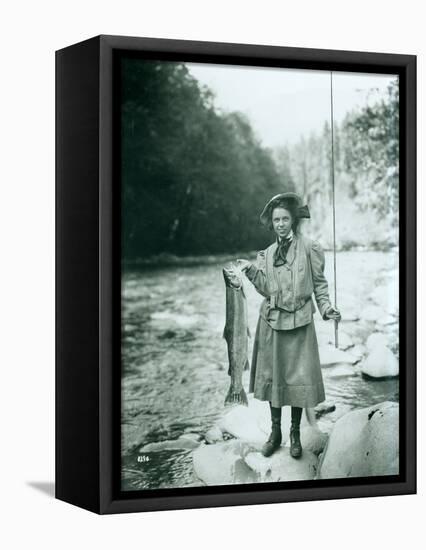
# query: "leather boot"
295,445
275,438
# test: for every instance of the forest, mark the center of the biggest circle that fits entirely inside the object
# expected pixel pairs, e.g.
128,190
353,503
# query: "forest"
194,178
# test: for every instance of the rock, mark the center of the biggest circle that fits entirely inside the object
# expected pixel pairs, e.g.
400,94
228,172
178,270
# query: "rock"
191,435
329,355
281,466
214,435
327,422
341,371
350,316
386,296
223,464
248,423
363,443
349,309
345,341
387,320
313,439
324,408
182,443
168,334
359,351
380,363
253,423
372,313
179,334
375,339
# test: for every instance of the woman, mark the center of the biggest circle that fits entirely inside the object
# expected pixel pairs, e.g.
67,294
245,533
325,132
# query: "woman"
285,365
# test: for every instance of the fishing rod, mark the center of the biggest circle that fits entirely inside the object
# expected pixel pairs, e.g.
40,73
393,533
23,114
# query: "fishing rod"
336,324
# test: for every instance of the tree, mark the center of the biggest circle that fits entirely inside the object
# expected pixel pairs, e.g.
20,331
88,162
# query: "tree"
372,154
194,178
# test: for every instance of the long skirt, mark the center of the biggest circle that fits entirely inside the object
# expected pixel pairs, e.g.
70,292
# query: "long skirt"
286,366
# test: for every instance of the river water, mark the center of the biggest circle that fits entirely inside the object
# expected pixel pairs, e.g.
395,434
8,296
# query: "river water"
174,359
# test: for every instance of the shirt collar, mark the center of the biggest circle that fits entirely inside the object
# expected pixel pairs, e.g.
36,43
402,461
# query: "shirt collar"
288,238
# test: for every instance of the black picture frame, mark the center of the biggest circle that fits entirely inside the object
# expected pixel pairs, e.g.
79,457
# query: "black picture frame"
88,275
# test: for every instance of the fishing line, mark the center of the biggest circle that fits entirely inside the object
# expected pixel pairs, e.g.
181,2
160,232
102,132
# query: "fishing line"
336,325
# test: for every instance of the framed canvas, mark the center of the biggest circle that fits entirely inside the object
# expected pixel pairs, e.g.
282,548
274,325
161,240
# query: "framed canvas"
235,274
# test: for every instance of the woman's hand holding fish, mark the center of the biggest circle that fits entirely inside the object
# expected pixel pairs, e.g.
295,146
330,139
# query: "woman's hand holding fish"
243,264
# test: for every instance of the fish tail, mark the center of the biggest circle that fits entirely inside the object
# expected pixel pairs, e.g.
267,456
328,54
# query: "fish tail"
236,397
247,365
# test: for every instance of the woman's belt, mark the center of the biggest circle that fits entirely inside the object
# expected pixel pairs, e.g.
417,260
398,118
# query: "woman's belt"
271,304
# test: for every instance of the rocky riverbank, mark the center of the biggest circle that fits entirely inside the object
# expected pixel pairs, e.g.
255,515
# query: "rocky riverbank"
363,442
338,441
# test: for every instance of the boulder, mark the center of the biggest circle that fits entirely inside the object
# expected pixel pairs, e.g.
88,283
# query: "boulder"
180,444
223,463
253,423
326,422
372,313
329,355
359,351
345,341
363,443
324,408
386,296
192,435
350,315
341,410
312,439
250,423
380,363
349,308
376,338
386,320
281,466
239,462
341,371
214,435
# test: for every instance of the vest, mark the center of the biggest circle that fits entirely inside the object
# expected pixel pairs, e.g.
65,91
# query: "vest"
290,286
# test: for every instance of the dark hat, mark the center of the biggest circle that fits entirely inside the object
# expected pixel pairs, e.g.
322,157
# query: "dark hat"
302,211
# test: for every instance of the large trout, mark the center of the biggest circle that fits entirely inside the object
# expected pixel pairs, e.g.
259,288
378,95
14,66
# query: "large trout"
236,333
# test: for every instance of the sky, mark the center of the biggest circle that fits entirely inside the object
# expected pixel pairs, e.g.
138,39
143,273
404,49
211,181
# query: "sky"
285,104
